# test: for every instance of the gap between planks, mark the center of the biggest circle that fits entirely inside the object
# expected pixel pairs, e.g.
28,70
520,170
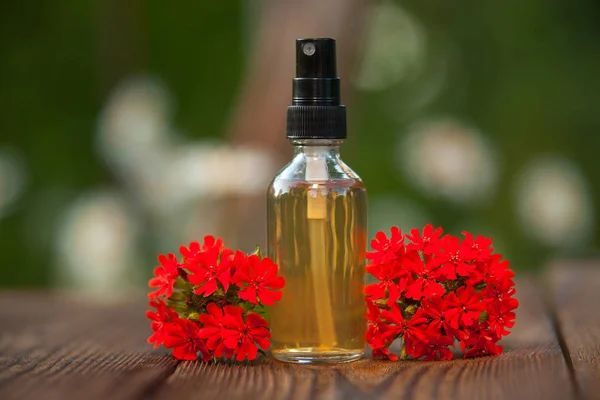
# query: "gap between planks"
552,311
574,291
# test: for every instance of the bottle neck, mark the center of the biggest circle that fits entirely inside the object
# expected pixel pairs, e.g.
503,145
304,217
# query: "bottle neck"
319,148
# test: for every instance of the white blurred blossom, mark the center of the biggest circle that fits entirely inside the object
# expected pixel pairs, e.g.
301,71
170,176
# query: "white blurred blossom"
448,159
96,243
394,48
554,203
134,134
135,121
164,170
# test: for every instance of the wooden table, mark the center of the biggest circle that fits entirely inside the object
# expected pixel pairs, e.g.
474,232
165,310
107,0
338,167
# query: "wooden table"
55,348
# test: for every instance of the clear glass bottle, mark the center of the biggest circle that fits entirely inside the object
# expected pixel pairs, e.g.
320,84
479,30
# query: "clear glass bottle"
317,222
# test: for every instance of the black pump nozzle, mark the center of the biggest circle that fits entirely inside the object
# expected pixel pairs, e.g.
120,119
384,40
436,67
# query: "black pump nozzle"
315,58
316,81
316,111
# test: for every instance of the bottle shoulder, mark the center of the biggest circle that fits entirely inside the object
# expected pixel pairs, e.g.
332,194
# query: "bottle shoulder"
349,171
323,169
303,172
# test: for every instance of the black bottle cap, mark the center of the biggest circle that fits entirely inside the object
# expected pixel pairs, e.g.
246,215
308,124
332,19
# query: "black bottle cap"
316,111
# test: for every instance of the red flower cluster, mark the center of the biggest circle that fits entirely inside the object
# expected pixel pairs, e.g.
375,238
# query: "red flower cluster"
209,304
434,290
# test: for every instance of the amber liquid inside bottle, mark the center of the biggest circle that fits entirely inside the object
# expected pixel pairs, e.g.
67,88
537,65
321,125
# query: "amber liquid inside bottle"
317,235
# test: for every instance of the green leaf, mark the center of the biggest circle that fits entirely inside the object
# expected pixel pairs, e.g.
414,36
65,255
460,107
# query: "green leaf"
177,296
256,252
483,316
182,285
381,302
410,311
247,306
480,287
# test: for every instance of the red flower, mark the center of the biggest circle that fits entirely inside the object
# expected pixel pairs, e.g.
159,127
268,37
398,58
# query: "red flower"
243,337
423,285
491,271
185,341
164,276
384,353
236,261
209,267
503,292
455,258
500,317
376,328
390,276
259,281
479,341
435,308
446,288
212,331
411,330
195,248
221,329
161,320
481,246
464,307
484,346
428,243
387,249
498,270
190,252
435,349
211,242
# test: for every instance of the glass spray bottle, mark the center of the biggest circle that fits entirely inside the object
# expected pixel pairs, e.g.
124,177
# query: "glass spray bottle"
317,221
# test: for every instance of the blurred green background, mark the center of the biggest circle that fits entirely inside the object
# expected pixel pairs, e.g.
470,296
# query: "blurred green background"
127,128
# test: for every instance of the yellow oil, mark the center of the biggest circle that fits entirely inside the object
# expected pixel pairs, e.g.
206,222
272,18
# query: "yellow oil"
317,235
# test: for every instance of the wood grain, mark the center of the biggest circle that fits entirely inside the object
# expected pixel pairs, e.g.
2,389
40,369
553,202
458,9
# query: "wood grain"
575,291
63,348
57,348
532,367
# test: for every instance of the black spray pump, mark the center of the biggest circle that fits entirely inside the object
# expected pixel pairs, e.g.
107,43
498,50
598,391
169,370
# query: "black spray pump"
316,111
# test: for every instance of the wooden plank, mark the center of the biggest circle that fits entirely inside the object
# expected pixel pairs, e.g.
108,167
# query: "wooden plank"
532,367
60,348
57,348
575,291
